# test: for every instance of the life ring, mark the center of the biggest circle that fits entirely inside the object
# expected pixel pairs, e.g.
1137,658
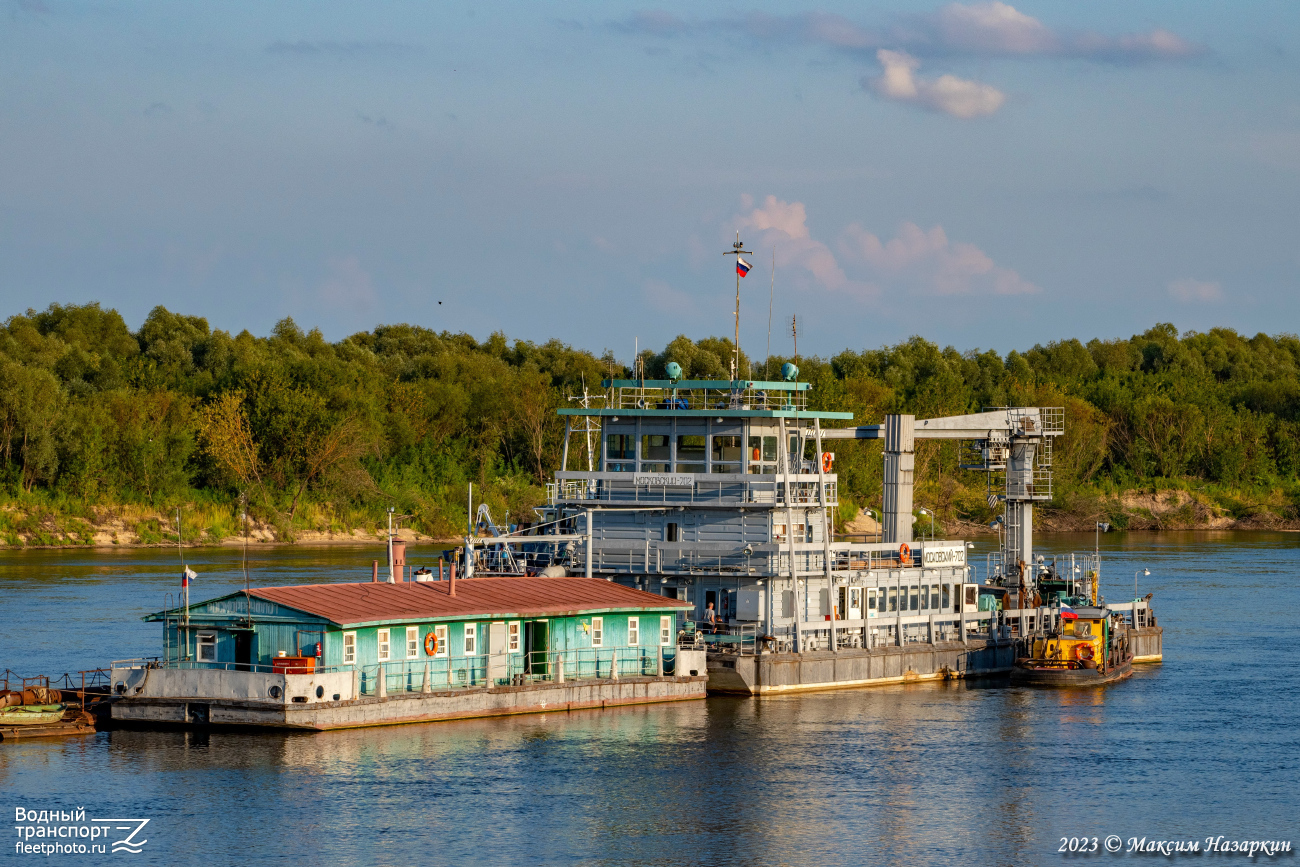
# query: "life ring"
905,553
431,643
828,458
1084,652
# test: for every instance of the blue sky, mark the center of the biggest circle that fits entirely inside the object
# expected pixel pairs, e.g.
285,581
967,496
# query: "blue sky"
982,174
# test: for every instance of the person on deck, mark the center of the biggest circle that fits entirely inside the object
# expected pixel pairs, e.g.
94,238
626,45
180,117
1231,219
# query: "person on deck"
710,619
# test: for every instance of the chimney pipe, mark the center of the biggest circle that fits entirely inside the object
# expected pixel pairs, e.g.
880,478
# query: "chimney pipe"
399,561
374,574
451,585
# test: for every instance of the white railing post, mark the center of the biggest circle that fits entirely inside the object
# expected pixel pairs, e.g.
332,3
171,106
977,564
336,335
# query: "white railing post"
559,668
427,686
382,690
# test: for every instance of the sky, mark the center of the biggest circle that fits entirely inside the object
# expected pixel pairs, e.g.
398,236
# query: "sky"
984,175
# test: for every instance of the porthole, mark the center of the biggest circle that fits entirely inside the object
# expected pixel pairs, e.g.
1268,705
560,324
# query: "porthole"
320,692
275,692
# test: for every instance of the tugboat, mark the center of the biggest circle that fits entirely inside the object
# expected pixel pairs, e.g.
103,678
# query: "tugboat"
1088,647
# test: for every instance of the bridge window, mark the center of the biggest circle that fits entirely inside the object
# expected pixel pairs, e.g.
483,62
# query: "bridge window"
619,448
762,455
690,453
655,453
727,453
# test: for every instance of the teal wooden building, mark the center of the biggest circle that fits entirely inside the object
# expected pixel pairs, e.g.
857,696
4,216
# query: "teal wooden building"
402,636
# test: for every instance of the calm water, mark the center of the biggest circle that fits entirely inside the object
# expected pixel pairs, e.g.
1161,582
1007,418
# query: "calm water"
1207,743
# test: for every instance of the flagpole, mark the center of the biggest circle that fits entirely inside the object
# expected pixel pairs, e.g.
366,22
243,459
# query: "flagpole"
736,249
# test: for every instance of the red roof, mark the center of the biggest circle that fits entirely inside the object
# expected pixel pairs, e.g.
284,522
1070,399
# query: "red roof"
353,604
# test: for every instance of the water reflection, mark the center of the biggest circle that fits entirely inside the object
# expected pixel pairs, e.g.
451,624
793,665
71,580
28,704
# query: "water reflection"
930,773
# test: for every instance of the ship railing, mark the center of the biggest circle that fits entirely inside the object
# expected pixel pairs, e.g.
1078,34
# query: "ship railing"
736,637
1137,613
704,489
692,558
708,398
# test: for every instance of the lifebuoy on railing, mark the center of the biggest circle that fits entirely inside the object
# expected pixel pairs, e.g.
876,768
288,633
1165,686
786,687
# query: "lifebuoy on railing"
1083,652
431,643
905,553
828,460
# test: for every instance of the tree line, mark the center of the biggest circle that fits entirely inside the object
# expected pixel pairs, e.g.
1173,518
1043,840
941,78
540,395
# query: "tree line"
292,427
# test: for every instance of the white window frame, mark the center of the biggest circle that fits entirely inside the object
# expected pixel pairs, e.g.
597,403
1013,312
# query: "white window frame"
412,642
514,635
383,644
665,630
633,631
349,648
204,641
471,639
440,630
597,631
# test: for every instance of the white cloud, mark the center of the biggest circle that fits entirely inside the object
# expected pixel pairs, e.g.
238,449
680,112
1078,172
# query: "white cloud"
1192,291
993,28
949,94
783,226
915,261
932,264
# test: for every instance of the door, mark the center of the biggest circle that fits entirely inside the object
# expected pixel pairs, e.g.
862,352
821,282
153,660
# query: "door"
497,668
243,651
873,601
855,603
537,639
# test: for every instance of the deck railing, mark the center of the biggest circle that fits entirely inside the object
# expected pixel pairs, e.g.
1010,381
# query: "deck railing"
704,490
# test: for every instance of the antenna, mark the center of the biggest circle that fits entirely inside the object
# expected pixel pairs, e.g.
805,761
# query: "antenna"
736,249
794,332
243,514
771,299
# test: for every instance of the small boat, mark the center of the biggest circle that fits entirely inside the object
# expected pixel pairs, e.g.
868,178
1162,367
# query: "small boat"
1090,647
31,715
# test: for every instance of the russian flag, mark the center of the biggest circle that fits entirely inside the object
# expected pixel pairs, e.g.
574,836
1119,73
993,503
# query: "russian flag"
1067,613
742,267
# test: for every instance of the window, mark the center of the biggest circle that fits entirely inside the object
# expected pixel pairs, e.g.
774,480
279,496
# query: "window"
670,532
934,595
207,647
633,632
619,448
762,455
727,453
597,631
655,453
412,642
440,633
349,648
925,597
665,631
916,601
690,453
384,645
893,599
800,533
512,637
947,596
471,639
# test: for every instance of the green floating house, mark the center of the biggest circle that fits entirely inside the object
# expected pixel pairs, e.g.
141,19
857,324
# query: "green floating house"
374,639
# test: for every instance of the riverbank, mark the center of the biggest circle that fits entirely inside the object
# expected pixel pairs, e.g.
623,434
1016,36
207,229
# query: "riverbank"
44,524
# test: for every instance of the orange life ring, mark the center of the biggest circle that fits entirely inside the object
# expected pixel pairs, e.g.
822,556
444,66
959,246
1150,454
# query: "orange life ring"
905,553
828,459
1084,652
431,643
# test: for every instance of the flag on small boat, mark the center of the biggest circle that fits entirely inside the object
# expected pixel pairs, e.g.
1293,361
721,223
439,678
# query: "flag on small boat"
187,576
1067,613
742,267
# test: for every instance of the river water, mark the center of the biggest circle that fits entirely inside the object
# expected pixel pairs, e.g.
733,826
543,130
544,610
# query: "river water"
978,772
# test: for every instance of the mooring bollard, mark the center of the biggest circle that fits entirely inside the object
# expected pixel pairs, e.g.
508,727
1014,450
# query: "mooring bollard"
382,690
356,684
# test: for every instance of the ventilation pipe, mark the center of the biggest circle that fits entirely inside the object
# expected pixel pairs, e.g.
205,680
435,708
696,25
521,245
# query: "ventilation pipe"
398,566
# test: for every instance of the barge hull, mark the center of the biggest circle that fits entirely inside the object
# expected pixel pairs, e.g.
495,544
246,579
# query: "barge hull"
1070,677
779,673
412,707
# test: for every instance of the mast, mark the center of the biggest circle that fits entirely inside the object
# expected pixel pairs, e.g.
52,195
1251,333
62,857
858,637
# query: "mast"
736,249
